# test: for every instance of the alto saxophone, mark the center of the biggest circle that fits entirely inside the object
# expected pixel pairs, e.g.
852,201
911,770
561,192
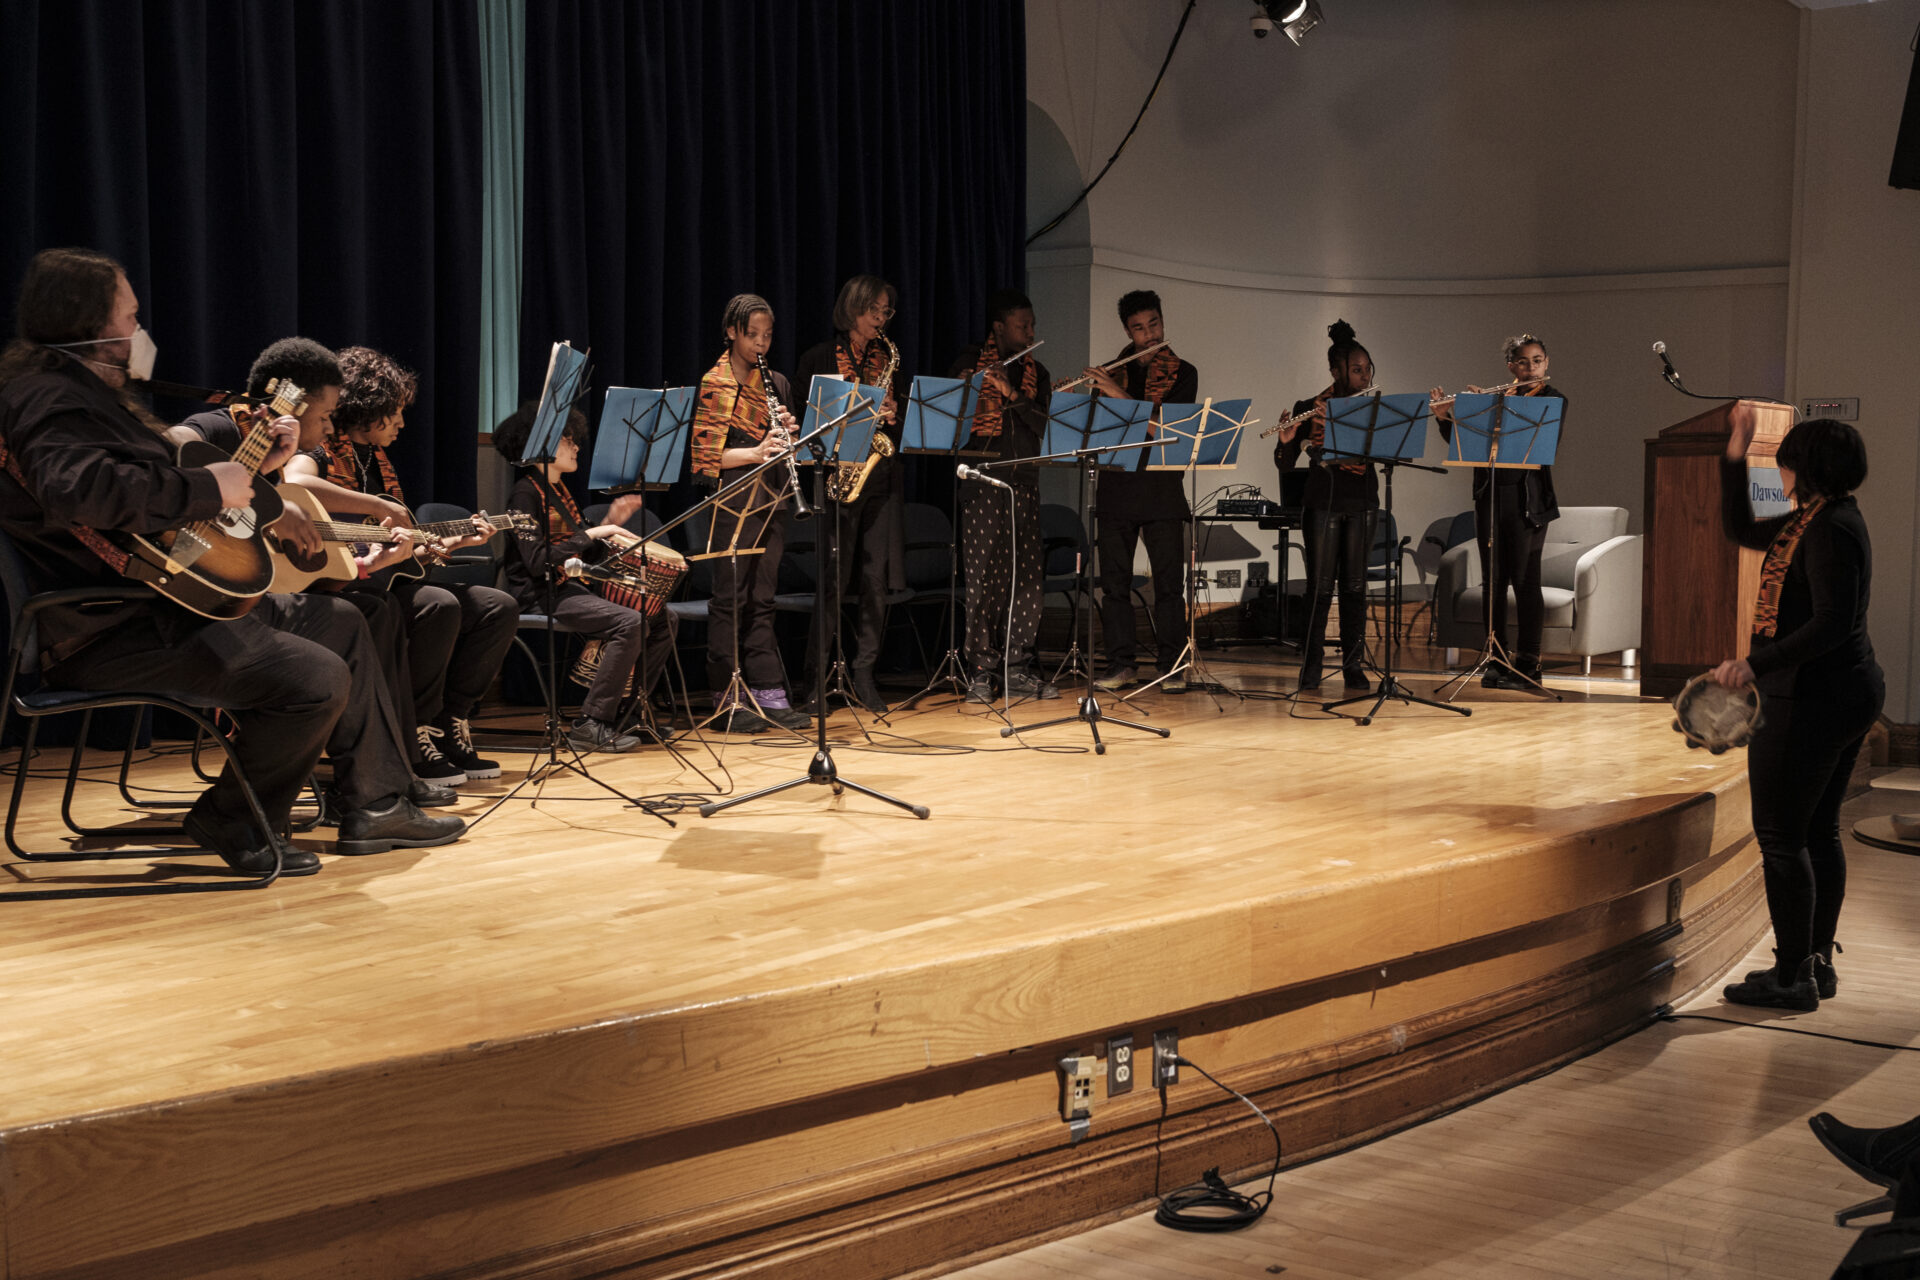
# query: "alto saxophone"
849,478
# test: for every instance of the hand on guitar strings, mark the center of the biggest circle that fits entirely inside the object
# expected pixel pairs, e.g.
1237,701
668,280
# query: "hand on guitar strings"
295,529
379,556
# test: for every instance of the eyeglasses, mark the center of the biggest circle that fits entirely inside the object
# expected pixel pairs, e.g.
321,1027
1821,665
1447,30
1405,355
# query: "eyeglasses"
880,313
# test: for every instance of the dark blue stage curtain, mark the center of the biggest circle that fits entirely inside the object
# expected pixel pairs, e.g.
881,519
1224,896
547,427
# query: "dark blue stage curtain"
263,169
682,151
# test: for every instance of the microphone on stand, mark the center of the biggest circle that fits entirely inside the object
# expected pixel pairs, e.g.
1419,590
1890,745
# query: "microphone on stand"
966,472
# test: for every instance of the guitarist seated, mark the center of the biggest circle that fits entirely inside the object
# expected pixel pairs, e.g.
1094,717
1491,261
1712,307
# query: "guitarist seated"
297,359
86,468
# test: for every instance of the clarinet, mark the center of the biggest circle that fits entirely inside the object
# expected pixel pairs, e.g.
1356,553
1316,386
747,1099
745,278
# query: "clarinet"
800,509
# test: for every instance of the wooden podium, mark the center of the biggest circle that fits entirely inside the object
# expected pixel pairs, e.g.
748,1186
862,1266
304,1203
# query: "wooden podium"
1697,588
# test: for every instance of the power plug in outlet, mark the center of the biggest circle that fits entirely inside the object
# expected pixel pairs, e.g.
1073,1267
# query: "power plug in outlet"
1166,1051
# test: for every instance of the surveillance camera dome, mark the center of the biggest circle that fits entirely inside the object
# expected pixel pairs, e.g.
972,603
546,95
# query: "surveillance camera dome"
1262,26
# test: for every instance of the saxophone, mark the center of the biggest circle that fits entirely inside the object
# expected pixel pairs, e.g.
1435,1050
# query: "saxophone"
849,478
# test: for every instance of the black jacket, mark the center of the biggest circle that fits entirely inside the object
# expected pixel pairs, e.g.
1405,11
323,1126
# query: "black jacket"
1023,424
1133,492
1328,488
1532,487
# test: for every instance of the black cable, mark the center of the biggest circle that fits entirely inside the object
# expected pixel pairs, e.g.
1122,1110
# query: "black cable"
1668,1015
1210,1204
1088,189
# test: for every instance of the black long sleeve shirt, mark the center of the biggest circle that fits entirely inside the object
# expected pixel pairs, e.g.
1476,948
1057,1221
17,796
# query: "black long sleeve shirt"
532,554
1329,488
1133,492
1820,646
1023,423
88,461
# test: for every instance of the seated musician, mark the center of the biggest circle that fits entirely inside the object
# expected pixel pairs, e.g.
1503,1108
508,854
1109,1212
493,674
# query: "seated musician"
86,468
316,371
458,633
630,638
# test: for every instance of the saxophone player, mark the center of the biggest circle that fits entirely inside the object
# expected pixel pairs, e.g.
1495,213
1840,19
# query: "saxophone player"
870,529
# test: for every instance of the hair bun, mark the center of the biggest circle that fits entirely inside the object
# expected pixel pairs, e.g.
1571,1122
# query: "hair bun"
1340,331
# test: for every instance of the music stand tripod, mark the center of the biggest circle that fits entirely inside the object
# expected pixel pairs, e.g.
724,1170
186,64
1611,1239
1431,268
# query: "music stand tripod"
1494,651
1088,711
821,770
1393,444
1194,451
939,411
841,401
566,385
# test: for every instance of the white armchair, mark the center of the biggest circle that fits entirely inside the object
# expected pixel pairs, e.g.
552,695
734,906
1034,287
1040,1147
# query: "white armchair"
1589,575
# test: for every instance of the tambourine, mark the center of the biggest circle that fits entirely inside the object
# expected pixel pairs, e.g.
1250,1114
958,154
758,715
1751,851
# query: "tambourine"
1713,716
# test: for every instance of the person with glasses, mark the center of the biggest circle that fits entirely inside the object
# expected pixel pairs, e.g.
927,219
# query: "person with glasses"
871,530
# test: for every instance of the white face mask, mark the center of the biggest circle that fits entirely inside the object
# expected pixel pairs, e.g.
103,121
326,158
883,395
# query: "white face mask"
140,353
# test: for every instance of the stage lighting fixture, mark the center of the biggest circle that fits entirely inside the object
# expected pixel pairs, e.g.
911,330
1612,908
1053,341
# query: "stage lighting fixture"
1295,17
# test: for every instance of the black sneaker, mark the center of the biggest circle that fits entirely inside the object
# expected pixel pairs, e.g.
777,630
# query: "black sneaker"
1355,681
1768,992
588,734
742,719
1825,980
456,744
980,689
429,764
400,825
787,717
1024,684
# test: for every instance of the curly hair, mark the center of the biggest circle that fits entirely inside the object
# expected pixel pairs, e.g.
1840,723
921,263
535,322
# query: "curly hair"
305,362
1519,342
372,387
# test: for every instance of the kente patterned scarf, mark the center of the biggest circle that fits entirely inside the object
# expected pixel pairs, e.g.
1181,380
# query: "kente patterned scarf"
1163,369
563,514
991,408
343,467
726,405
1773,570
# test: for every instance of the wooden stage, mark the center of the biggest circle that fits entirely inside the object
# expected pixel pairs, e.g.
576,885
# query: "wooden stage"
815,1036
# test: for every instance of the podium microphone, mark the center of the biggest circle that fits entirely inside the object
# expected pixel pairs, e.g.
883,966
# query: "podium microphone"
966,472
1660,349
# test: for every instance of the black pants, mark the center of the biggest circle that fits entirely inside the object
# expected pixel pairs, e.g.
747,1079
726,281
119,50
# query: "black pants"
458,634
630,638
1797,770
1166,559
1518,546
741,611
863,529
1337,543
386,623
1005,558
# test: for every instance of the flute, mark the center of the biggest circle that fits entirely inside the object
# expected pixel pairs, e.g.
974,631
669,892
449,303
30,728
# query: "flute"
1490,391
1284,423
1077,379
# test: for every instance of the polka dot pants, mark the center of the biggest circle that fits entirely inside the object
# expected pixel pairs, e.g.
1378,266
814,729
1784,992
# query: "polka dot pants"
990,528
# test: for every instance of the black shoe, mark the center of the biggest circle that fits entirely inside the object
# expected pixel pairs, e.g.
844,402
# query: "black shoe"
1770,993
787,717
1878,1155
980,689
428,796
1529,668
429,763
456,744
867,692
1118,678
240,847
588,734
1498,677
1825,980
400,825
1355,680
1024,684
1310,676
742,719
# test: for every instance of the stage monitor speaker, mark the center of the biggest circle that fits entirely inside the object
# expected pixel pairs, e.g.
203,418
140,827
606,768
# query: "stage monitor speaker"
1906,147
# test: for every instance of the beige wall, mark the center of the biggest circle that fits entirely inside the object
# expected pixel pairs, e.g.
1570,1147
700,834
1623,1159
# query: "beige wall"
1445,174
1855,324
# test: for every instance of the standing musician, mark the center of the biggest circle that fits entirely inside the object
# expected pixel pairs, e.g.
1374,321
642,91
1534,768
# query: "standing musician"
735,429
1337,516
316,370
1010,420
1137,504
871,529
1821,690
539,552
458,633
1522,504
297,673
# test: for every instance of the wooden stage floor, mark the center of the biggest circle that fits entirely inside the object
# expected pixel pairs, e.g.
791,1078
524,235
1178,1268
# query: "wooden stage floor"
580,1042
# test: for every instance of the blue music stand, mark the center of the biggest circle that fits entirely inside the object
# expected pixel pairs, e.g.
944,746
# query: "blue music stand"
565,385
850,409
940,415
642,441
1377,428
1493,429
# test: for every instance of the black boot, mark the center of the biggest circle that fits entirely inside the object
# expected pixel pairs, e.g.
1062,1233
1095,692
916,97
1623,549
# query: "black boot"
1313,652
1878,1155
1353,641
1796,992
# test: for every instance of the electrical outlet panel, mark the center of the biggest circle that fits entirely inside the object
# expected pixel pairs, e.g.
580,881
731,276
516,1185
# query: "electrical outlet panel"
1226,578
1076,1087
1259,573
1166,1047
1119,1066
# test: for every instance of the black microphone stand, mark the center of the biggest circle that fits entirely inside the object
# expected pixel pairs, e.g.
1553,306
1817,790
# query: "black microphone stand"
821,770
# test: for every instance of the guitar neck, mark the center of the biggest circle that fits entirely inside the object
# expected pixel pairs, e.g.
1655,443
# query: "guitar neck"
460,528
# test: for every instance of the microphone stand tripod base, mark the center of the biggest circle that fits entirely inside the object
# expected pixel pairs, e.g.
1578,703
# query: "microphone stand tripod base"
1091,714
821,771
